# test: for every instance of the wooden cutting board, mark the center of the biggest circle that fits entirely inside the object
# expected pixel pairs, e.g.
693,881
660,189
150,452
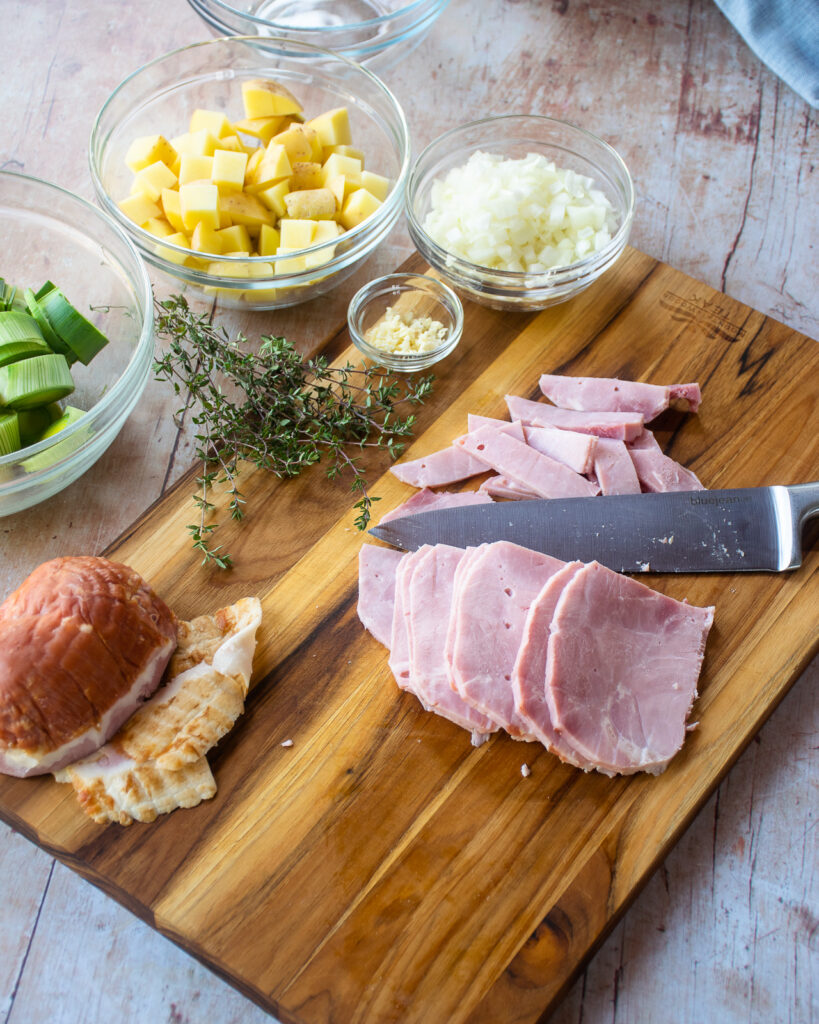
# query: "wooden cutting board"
380,868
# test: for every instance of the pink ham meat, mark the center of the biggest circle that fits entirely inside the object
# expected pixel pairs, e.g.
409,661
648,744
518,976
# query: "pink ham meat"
502,487
529,673
608,394
428,598
376,589
622,426
515,459
573,449
399,660
658,472
448,466
622,669
490,603
614,468
426,500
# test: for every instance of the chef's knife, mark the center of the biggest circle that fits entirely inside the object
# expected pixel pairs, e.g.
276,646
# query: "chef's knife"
746,530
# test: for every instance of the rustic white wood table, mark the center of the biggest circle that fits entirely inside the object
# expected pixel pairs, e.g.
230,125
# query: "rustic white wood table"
724,158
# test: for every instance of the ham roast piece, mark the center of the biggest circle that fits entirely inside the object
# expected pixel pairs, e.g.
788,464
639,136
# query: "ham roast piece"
83,642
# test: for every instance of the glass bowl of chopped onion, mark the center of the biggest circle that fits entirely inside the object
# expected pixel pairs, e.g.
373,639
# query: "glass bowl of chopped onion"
77,287
405,322
520,211
260,173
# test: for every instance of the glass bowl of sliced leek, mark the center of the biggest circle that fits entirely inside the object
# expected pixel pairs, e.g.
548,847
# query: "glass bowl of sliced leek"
260,173
76,337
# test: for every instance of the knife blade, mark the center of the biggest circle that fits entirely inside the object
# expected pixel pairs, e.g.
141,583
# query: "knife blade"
749,529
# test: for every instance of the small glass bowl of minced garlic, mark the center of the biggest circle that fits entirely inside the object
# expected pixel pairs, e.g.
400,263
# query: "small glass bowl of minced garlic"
405,322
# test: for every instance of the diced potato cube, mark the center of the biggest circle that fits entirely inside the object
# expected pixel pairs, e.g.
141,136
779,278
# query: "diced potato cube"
139,209
213,121
265,98
158,226
172,208
293,265
333,127
253,162
201,143
296,143
375,184
263,128
297,234
274,165
199,204
344,151
147,150
269,240
341,187
228,171
349,166
246,270
246,209
206,239
273,197
235,239
311,204
194,168
306,175
234,144
326,231
357,207
312,137
153,178
181,259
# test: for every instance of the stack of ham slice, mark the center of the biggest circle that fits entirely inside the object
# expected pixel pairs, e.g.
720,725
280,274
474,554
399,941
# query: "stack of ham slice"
592,440
599,668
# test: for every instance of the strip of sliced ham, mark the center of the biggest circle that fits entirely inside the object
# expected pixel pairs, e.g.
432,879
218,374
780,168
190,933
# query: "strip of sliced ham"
502,487
376,589
658,472
573,449
614,468
449,465
623,426
489,608
601,394
428,598
529,673
622,670
426,500
515,459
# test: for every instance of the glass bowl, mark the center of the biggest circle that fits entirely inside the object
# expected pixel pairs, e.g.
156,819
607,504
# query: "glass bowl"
50,234
409,296
514,136
373,32
160,97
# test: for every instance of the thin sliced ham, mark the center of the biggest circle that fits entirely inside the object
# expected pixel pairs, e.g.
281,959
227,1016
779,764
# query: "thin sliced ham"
376,589
515,459
608,394
426,500
529,673
428,600
659,473
489,608
614,469
449,465
622,669
502,487
570,447
623,426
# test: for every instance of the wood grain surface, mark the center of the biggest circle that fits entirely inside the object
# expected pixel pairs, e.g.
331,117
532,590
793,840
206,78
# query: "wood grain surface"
380,868
723,156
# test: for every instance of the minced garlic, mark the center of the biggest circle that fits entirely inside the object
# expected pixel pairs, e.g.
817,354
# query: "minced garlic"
406,334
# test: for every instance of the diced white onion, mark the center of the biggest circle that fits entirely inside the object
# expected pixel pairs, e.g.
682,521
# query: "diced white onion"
526,215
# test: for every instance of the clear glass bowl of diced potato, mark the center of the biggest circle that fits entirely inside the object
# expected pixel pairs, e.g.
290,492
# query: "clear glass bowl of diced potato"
258,173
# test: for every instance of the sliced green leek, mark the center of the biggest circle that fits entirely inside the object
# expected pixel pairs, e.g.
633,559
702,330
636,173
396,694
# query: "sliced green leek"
53,340
20,337
70,415
33,423
35,381
9,432
81,336
41,291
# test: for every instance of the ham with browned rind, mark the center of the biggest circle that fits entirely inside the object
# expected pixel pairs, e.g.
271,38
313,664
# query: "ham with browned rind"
622,670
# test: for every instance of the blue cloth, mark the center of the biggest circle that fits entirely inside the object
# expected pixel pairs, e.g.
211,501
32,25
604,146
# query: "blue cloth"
784,34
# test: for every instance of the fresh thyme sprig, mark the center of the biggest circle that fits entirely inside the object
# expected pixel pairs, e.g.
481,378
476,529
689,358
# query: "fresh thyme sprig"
275,409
